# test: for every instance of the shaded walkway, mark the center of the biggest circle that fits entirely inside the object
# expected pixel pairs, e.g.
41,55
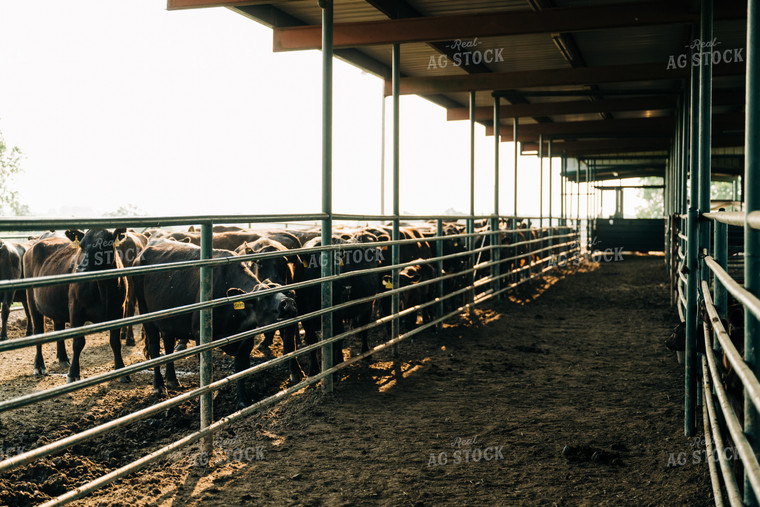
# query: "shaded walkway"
583,366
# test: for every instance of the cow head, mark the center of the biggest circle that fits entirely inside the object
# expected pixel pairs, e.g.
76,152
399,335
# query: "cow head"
97,248
263,310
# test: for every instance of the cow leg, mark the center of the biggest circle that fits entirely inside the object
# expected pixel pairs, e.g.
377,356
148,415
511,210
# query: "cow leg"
29,329
171,374
337,347
127,333
38,321
310,329
74,373
6,303
288,335
154,351
243,362
61,355
263,347
118,361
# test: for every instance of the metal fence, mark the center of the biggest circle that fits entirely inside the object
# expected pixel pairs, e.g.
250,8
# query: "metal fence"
490,251
721,357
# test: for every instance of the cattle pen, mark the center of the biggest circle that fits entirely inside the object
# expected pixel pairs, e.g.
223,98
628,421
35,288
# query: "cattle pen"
606,89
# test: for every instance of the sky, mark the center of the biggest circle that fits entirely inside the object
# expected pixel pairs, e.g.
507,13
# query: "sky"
190,112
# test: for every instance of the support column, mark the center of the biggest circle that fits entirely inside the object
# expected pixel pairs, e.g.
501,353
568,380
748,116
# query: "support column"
326,258
471,243
395,249
206,336
692,266
496,238
541,181
517,153
751,236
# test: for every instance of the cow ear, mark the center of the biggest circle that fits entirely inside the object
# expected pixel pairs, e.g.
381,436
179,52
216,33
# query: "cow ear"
387,282
234,291
75,235
119,235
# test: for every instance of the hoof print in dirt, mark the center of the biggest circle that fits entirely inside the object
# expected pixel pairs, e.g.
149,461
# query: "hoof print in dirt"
586,453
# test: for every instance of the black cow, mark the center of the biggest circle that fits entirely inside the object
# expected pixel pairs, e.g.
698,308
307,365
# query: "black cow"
353,256
129,248
159,291
11,268
414,275
280,270
76,303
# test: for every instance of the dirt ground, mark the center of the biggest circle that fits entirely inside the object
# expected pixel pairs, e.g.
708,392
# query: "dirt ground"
564,394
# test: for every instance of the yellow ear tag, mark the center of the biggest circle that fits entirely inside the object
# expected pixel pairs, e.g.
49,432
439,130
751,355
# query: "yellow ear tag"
76,243
116,243
304,264
238,305
456,244
388,284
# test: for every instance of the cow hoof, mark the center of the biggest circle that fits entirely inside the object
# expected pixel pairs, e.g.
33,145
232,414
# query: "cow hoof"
40,372
180,347
3,338
70,379
124,380
159,391
173,385
241,405
64,364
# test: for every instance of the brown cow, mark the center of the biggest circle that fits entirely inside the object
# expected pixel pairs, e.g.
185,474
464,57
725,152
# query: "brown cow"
76,303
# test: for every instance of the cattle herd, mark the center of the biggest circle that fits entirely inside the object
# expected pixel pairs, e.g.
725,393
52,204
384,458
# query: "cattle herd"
74,251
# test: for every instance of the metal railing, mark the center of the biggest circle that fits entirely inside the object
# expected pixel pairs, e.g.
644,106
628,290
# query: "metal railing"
486,272
720,418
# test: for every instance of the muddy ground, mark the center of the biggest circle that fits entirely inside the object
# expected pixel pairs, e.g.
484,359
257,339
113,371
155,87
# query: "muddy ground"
564,394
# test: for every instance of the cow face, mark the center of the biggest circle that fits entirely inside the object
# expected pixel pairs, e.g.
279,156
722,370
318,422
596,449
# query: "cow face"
264,310
97,248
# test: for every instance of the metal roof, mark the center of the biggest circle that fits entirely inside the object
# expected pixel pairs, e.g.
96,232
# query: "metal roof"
614,69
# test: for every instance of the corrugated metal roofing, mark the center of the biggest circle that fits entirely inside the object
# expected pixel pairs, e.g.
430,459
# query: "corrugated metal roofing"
652,41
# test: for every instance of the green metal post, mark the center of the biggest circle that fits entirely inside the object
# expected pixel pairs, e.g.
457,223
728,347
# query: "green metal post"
705,124
496,239
206,335
692,265
550,182
326,257
720,253
540,181
752,237
471,222
439,253
515,126
395,252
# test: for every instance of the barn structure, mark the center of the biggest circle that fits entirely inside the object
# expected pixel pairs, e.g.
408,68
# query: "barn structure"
616,89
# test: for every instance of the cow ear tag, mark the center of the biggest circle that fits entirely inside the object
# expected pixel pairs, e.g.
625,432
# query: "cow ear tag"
238,305
116,243
76,243
304,264
388,284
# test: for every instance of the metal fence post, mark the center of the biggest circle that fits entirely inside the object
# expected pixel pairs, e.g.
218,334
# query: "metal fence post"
692,266
471,241
326,259
206,335
751,195
495,238
720,253
395,250
439,253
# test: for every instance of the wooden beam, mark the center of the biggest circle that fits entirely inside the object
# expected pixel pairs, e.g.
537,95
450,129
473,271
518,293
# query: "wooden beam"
568,107
553,77
494,24
194,4
661,126
633,145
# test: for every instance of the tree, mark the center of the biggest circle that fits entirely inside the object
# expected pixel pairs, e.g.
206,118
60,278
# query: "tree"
10,165
654,207
128,210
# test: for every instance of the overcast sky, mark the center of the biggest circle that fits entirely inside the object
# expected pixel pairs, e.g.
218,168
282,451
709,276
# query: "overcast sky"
190,112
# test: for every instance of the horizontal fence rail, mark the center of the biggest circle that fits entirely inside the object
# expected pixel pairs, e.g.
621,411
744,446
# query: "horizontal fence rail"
492,262
715,283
